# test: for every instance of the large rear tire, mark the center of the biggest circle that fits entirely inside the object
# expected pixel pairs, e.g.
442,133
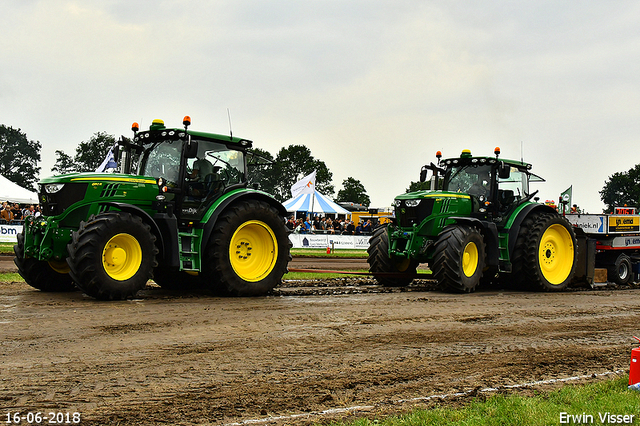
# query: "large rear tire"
459,258
381,265
545,253
112,255
45,276
248,252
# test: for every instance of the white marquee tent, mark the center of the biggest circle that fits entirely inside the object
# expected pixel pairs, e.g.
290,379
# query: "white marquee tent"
14,193
314,203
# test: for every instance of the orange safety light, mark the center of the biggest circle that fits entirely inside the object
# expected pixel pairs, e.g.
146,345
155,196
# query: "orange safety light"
497,150
186,120
135,127
438,154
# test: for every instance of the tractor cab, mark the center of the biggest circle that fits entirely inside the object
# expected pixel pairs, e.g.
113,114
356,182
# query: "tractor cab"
495,186
192,169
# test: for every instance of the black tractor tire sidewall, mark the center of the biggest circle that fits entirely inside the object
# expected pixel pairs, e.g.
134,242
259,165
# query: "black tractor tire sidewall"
218,274
38,273
531,273
86,249
380,262
448,258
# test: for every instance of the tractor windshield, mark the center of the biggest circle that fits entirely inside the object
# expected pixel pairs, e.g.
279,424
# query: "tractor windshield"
474,179
162,159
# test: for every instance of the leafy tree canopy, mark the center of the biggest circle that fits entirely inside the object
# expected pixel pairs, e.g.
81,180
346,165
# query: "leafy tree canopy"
622,189
19,157
419,186
353,191
89,155
292,164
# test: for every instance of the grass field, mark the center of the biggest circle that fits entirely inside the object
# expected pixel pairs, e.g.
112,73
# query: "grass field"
603,402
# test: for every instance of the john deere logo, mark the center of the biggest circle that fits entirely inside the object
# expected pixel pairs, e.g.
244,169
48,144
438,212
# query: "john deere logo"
403,210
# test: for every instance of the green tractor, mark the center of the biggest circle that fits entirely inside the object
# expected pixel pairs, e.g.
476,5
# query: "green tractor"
181,212
477,224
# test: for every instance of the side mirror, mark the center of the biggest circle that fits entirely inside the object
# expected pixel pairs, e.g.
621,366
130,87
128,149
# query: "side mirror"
423,174
504,171
191,150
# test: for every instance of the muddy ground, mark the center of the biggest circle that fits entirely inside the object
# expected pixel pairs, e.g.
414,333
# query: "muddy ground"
295,356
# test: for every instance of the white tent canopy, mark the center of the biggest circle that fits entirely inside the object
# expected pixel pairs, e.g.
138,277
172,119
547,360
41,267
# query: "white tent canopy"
314,203
14,193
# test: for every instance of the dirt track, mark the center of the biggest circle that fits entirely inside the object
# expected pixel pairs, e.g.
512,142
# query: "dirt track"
193,359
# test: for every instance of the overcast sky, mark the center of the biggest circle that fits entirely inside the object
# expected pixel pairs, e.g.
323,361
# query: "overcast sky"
373,88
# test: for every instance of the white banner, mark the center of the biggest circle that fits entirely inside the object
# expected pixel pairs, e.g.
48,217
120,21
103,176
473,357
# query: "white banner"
327,240
9,233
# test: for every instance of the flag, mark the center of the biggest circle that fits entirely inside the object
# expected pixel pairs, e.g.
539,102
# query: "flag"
565,197
306,185
109,161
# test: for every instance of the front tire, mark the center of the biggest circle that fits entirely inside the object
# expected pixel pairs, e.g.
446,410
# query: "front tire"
248,252
459,258
112,255
50,276
381,265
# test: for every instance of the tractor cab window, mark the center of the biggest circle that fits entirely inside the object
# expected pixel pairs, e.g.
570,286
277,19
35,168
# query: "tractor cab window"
473,179
162,159
513,189
215,168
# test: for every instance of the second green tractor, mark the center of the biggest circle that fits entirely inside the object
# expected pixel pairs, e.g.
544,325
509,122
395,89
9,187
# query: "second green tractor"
477,223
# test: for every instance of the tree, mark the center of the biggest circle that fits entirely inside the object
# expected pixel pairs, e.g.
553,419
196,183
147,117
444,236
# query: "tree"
89,154
622,189
291,165
353,192
259,164
19,157
64,163
419,186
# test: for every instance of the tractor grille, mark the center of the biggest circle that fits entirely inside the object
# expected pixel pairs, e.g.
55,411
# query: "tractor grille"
57,203
408,216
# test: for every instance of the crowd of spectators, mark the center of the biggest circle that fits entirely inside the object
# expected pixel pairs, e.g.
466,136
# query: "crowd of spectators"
327,225
14,213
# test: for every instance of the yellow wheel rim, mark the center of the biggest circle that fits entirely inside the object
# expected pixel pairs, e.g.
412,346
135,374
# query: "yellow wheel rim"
253,251
556,254
122,257
470,259
402,265
60,266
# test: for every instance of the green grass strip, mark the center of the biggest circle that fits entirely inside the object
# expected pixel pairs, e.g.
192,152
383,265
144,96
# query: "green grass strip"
592,403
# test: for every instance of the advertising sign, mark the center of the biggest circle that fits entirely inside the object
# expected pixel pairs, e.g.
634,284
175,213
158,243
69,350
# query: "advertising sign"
624,223
9,233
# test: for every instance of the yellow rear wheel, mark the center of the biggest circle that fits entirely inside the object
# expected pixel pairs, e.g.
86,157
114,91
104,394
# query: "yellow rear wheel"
122,257
470,259
556,254
253,251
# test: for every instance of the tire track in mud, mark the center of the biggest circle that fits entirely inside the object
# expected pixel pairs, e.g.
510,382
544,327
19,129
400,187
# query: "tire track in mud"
191,358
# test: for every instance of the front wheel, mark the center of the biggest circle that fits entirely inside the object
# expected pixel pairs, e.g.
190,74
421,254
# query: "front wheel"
112,255
388,271
248,252
459,258
45,276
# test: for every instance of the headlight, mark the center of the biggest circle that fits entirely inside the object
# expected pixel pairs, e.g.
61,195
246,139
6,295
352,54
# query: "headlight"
160,182
52,188
397,203
412,203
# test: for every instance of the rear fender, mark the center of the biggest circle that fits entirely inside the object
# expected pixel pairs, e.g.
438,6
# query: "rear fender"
233,198
516,220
